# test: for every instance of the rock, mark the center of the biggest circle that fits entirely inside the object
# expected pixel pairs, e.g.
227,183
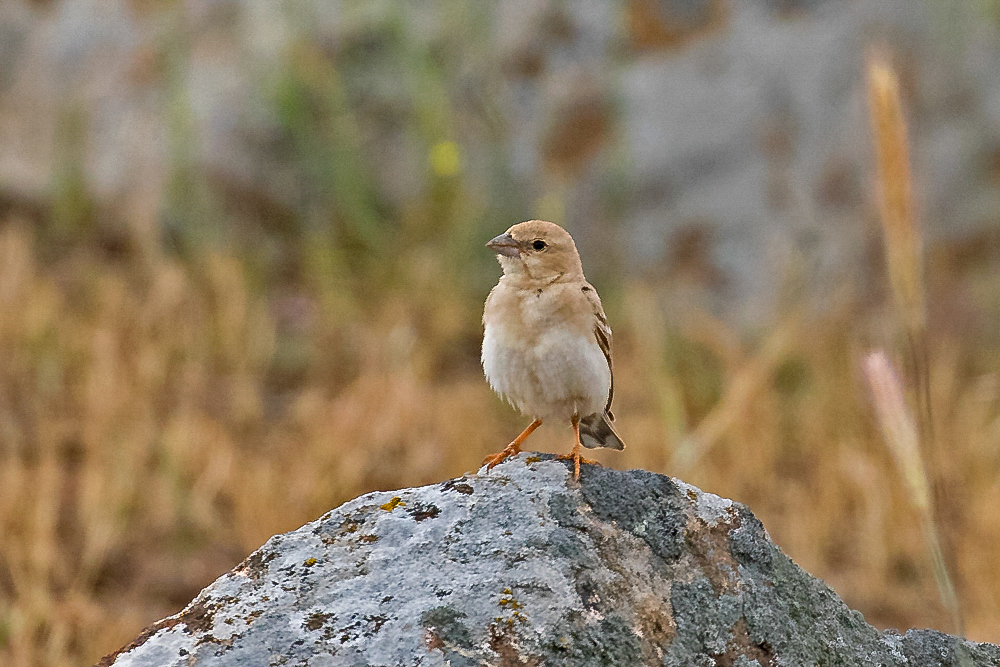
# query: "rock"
524,566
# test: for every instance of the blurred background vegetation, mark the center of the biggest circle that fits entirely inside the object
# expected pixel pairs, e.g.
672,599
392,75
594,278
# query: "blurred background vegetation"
242,272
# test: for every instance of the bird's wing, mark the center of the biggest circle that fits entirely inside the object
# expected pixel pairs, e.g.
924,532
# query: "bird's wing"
603,334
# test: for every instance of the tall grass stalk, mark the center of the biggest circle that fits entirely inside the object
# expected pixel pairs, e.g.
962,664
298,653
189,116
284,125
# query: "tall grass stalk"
904,262
901,436
903,244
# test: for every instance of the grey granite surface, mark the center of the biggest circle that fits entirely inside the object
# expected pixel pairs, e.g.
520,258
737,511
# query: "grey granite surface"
524,566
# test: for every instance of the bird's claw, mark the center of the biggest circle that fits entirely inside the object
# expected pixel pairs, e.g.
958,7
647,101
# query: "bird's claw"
575,457
513,449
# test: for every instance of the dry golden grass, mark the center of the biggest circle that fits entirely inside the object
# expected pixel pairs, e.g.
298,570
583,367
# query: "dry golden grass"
159,420
903,246
904,264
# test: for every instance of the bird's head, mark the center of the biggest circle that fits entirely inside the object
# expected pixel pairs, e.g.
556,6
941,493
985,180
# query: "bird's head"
537,251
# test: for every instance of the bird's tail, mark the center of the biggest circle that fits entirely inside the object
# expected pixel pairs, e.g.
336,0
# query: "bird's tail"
596,431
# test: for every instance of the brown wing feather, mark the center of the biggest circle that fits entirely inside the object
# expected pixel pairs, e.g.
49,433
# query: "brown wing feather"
603,334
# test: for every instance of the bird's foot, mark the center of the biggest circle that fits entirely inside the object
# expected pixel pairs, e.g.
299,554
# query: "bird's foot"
513,449
575,457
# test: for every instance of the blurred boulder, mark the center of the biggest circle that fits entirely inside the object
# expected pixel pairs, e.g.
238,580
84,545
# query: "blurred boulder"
639,123
524,566
756,131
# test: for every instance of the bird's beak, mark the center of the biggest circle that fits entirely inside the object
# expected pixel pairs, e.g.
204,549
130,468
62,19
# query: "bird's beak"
504,245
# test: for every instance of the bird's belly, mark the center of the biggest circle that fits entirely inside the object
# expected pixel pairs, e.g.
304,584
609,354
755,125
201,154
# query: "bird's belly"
551,376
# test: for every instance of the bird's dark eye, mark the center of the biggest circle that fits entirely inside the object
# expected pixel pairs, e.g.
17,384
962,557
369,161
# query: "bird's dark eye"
538,245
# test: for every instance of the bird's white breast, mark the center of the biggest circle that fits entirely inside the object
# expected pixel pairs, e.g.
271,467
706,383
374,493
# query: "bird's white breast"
547,372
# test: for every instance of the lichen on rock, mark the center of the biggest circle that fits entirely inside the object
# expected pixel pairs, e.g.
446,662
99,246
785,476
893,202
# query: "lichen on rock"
524,566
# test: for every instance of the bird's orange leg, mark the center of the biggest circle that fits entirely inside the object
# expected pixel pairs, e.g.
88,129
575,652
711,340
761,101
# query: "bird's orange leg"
574,456
513,448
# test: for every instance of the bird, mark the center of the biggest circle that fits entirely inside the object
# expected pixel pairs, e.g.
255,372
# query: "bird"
546,340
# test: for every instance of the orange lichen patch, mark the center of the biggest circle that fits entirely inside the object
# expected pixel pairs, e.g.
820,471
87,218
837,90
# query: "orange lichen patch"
709,546
351,525
255,565
743,645
309,562
504,643
433,640
655,622
197,618
146,633
317,620
393,504
419,512
509,603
